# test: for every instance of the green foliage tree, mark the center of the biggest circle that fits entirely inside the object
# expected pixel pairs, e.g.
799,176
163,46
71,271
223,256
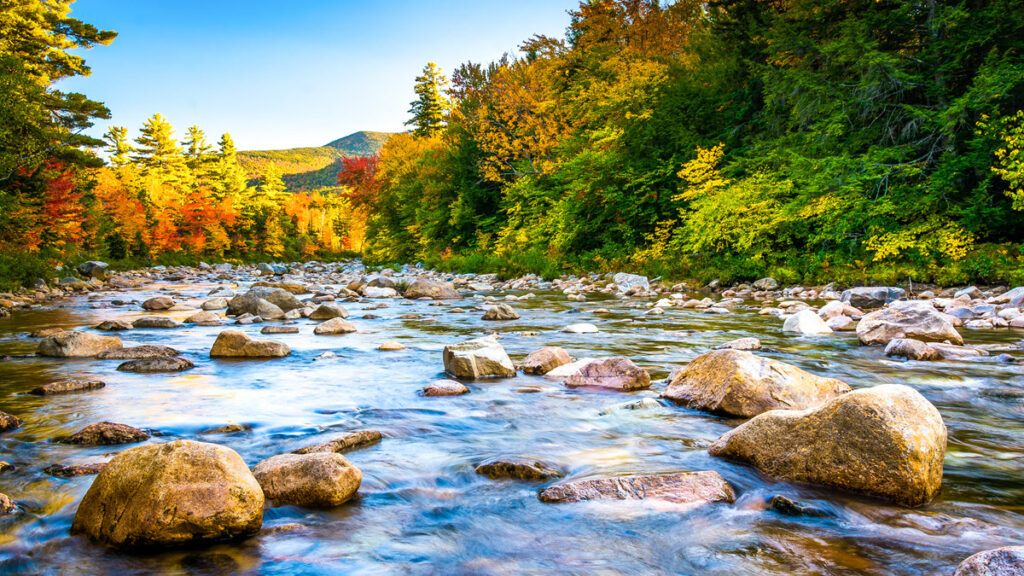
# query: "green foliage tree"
429,110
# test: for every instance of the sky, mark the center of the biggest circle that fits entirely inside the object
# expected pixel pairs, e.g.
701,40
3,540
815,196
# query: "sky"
284,74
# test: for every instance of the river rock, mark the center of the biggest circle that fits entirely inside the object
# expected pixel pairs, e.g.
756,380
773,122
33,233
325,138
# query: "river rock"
1006,561
7,506
136,352
917,320
738,383
158,303
445,388
545,360
335,326
518,469
390,346
114,325
501,312
9,422
581,328
478,358
215,304
346,443
316,479
328,311
887,441
807,323
742,344
236,344
94,269
107,433
766,284
279,297
614,373
424,288
631,282
156,322
871,297
156,365
77,345
379,292
204,318
254,305
75,470
67,387
912,350
179,493
280,330
680,488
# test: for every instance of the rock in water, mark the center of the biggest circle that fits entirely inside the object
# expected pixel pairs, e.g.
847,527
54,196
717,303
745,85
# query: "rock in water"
155,322
9,422
545,360
738,383
478,358
445,388
423,288
518,469
582,328
107,434
75,470
94,269
316,480
346,443
235,344
158,303
328,311
114,325
67,387
912,350
7,506
500,312
681,488
742,344
871,297
390,346
178,493
917,320
252,304
1006,561
279,297
136,352
614,373
156,365
806,323
766,284
204,318
77,345
334,326
631,282
886,441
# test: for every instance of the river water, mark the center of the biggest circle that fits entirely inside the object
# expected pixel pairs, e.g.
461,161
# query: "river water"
423,510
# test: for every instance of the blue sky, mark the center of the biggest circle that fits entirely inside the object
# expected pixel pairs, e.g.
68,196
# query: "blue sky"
293,73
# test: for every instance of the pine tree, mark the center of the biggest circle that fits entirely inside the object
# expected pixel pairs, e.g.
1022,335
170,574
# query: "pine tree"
118,146
157,148
229,179
197,152
430,109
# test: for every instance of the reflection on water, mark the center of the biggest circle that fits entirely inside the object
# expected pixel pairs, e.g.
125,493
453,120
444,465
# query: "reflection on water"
422,509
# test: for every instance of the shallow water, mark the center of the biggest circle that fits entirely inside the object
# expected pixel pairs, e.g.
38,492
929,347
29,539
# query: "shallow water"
422,509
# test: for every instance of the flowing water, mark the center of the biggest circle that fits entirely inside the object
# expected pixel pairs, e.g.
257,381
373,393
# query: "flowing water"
423,510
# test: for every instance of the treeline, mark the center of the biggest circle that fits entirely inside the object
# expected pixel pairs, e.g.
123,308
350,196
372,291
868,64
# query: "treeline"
807,139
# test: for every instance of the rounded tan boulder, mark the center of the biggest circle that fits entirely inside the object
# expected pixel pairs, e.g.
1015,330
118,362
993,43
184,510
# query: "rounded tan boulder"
77,345
315,479
916,320
236,344
178,493
738,383
887,441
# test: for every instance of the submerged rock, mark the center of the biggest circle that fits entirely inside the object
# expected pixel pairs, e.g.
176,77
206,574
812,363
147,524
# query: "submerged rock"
9,422
788,507
1006,561
346,443
75,470
886,441
77,345
680,488
136,352
179,493
739,383
108,433
518,469
445,388
917,320
478,358
614,373
156,365
316,480
67,387
236,344
545,360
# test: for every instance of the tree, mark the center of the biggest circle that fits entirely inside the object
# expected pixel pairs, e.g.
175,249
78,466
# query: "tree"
430,109
118,146
197,152
229,179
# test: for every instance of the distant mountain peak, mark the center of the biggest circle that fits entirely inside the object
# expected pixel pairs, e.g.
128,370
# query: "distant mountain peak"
361,143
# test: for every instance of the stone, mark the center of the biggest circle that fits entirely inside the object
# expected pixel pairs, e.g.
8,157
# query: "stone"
742,344
9,422
567,370
970,293
292,287
94,269
114,325
614,373
335,326
680,488
136,352
158,303
806,323
1006,561
328,311
236,344
1014,298
631,282
766,284
315,480
917,320
67,387
518,469
252,304
156,365
77,345
445,388
156,322
228,429
478,358
581,328
7,506
204,318
106,434
424,288
279,297
886,441
390,346
46,332
871,297
912,350
501,312
75,470
842,324
215,304
545,360
788,507
174,494
348,442
280,330
379,292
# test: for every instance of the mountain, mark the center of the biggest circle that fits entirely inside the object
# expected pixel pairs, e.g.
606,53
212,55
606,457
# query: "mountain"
308,169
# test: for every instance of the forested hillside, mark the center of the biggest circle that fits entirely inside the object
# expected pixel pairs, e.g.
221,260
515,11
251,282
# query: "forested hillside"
810,140
309,169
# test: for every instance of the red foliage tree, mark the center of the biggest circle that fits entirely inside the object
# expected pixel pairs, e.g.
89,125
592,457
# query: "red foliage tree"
359,175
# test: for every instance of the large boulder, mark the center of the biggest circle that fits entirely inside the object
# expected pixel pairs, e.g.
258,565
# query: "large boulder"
681,488
253,304
158,303
478,358
178,493
156,322
545,360
328,311
424,288
917,320
279,297
631,282
614,373
235,344
1006,561
108,434
335,326
807,323
1013,298
871,297
204,318
738,383
315,479
501,312
912,349
77,345
766,284
94,269
887,441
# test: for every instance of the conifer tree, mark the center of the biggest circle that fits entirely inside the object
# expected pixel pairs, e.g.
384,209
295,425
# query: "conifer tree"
430,109
229,179
118,146
197,152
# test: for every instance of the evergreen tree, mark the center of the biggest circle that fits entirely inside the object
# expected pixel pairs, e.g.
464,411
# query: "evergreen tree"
430,109
229,179
197,152
118,146
157,148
